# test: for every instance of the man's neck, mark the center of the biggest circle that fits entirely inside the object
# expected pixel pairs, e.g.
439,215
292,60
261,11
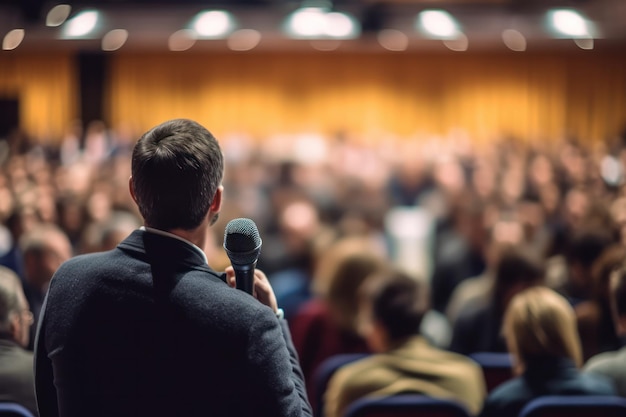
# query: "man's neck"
196,236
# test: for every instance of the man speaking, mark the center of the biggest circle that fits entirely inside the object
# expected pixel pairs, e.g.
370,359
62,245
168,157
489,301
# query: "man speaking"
149,329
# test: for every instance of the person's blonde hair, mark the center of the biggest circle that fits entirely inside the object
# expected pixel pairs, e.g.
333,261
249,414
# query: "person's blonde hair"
541,323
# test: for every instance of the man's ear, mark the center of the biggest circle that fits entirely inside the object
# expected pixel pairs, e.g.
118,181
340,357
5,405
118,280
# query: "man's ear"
131,188
216,204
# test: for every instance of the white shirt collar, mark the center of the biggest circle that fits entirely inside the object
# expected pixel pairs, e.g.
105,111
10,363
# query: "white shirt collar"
172,235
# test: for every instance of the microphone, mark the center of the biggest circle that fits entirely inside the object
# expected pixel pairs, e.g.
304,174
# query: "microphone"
243,246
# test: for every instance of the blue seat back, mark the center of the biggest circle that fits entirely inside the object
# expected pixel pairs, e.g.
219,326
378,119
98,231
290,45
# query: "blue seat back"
575,406
8,409
407,405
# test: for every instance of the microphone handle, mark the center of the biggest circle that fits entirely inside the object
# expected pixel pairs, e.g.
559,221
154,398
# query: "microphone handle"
244,276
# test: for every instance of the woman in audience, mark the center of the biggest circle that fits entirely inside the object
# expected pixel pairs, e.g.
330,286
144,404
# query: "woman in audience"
540,331
326,325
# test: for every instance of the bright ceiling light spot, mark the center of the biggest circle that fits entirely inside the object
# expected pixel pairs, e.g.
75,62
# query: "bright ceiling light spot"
584,43
81,24
339,25
213,24
569,23
318,22
244,40
182,40
13,39
458,44
58,15
438,24
307,22
393,40
114,40
514,40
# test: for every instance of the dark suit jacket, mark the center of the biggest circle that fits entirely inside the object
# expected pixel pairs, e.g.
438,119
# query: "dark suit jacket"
544,376
148,329
16,374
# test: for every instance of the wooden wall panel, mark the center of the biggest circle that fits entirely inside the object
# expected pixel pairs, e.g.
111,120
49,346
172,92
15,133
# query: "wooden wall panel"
46,88
529,96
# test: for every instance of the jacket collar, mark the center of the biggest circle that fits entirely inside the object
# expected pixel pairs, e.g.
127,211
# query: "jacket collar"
165,252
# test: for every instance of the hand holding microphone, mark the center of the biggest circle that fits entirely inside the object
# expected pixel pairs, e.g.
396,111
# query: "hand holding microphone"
243,246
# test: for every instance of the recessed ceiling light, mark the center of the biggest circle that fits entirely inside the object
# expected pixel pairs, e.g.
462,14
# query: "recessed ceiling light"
13,39
182,40
569,22
438,24
319,23
514,40
58,15
244,40
82,24
114,40
393,40
213,23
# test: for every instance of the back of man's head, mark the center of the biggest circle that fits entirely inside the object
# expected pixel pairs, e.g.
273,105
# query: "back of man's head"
398,301
13,308
44,248
177,168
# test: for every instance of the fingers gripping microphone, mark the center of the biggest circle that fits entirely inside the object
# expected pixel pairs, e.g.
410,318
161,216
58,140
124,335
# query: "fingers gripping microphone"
243,246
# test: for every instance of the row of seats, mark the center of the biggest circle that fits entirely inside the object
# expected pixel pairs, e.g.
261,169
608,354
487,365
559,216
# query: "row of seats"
497,368
548,406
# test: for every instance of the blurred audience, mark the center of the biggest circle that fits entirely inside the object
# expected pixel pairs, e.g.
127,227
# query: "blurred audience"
391,309
307,191
540,331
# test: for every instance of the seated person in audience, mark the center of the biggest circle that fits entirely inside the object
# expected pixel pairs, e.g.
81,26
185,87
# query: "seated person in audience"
44,248
325,326
613,364
391,309
540,331
478,327
476,291
17,383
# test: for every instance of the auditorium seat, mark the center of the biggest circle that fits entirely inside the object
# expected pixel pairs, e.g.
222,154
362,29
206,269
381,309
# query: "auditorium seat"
323,374
497,367
410,405
9,409
575,406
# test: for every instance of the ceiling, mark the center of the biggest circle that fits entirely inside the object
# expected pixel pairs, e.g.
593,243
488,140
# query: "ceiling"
150,23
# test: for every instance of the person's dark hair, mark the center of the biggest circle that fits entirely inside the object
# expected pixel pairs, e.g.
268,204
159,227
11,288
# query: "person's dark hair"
177,168
587,245
399,302
517,268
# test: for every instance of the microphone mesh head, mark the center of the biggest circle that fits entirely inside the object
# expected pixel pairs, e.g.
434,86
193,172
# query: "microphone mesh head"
242,241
